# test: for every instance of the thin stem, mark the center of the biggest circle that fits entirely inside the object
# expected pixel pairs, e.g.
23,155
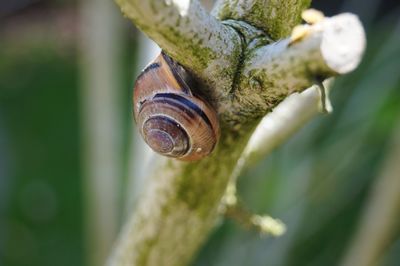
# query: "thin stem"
276,127
285,67
101,39
264,224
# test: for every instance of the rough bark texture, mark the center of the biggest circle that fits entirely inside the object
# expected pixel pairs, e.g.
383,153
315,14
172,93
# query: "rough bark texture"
275,17
185,31
242,72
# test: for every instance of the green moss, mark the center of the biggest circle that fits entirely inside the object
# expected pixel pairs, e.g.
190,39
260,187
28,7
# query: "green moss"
203,55
286,16
202,184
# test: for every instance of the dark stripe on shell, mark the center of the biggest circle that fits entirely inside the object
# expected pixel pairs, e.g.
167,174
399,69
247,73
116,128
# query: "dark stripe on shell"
180,74
187,103
147,69
176,104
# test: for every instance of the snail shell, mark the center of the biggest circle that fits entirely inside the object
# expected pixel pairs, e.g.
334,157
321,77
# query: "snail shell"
171,120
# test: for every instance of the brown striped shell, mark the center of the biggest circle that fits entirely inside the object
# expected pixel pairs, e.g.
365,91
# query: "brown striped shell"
172,121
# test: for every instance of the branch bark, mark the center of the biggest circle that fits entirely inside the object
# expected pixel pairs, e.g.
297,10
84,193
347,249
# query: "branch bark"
275,17
273,71
186,31
286,119
180,204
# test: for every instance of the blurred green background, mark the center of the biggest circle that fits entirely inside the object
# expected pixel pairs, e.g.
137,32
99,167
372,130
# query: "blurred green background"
319,183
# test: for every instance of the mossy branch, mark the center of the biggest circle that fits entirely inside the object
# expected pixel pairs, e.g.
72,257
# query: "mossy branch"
246,76
333,46
275,17
189,34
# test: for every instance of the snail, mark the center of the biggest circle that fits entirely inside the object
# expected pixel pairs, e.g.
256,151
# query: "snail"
171,119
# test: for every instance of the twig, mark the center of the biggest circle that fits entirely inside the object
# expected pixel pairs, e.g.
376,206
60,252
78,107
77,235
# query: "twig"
286,119
233,208
333,46
100,39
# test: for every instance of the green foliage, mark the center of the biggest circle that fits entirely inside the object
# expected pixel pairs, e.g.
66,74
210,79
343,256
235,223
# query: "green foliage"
39,109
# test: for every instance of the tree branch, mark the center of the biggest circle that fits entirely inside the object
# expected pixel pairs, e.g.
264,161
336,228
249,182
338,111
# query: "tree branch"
180,205
187,32
275,17
274,129
286,119
333,46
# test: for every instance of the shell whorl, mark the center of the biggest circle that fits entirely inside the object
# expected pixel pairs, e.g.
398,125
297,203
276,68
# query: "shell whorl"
173,121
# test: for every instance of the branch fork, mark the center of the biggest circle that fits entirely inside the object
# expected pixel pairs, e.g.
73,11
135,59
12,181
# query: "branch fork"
233,208
245,77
